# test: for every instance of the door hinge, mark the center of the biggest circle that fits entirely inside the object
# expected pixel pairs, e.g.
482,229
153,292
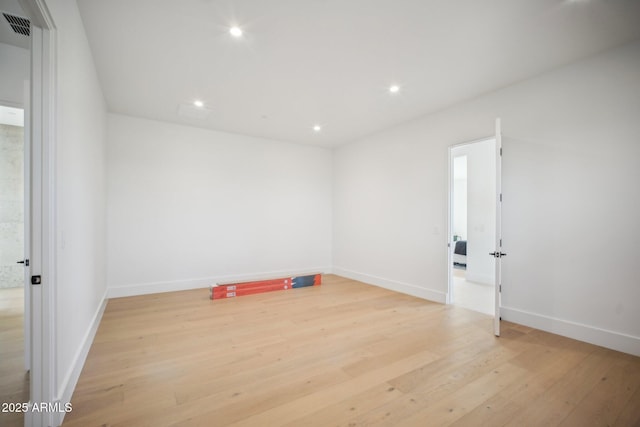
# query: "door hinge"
36,280
501,151
500,196
500,242
500,290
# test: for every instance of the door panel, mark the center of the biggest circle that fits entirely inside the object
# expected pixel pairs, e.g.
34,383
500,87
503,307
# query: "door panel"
498,254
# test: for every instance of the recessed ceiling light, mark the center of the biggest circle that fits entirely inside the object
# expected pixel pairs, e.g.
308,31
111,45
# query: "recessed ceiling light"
235,31
317,128
394,88
198,103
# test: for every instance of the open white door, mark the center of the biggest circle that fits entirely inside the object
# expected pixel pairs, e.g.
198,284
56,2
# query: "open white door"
41,244
498,254
27,227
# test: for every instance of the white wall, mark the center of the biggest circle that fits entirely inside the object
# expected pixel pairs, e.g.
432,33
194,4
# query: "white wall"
81,195
569,181
189,207
459,197
390,210
14,69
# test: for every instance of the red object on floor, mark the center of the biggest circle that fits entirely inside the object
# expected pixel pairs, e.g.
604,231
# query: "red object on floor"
230,290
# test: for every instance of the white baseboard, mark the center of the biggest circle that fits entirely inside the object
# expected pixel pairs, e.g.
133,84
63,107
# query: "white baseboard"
405,288
602,337
70,380
203,282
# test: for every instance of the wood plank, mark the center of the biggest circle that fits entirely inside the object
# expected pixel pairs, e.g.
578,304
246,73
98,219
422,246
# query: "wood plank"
606,400
630,414
544,368
446,410
342,412
298,408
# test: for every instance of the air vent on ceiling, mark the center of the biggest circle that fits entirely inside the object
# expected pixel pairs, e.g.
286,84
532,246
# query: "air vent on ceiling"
19,24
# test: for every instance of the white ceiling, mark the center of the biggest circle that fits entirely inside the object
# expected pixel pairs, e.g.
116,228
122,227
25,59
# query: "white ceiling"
302,62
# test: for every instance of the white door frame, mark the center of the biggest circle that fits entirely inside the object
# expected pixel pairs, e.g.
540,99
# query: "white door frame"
26,314
450,297
42,387
498,243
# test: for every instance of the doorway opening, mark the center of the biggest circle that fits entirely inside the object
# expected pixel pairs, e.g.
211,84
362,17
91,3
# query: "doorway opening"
15,208
13,348
472,225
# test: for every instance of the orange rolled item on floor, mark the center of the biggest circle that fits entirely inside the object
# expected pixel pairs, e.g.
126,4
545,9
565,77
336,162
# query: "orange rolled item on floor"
231,290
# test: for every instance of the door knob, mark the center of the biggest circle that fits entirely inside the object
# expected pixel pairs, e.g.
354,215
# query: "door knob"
25,262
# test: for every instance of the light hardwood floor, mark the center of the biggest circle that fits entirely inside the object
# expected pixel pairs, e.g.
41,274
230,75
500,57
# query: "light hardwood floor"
342,354
14,380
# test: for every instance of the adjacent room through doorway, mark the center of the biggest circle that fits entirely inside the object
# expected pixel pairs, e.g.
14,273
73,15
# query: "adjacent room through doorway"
15,387
472,225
